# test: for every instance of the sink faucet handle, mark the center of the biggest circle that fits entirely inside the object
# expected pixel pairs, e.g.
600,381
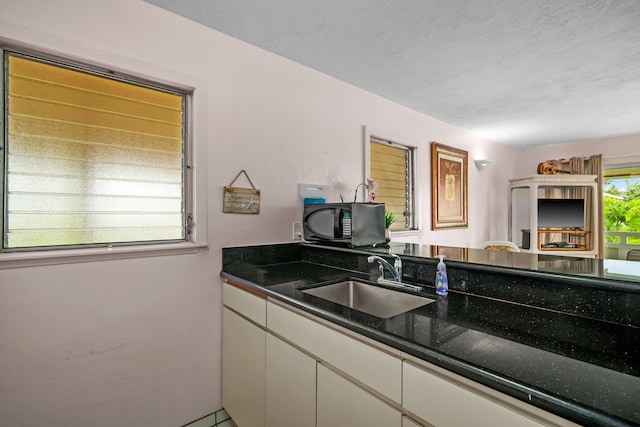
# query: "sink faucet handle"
372,259
397,265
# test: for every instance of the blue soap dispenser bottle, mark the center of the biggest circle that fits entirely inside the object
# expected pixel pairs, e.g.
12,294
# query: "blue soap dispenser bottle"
442,282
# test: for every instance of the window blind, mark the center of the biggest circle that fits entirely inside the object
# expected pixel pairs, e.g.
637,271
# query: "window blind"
90,159
389,170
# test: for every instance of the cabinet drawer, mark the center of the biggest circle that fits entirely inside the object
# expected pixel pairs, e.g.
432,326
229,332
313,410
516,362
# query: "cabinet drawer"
439,402
372,367
407,422
249,305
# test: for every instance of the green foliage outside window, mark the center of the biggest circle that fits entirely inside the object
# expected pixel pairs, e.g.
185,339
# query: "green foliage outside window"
622,208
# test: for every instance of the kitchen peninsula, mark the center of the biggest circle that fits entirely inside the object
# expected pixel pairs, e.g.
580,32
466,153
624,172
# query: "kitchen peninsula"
556,340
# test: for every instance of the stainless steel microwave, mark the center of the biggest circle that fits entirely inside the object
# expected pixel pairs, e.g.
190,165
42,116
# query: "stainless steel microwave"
349,224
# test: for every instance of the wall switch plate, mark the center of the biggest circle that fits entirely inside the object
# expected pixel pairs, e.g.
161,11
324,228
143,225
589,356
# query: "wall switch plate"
297,230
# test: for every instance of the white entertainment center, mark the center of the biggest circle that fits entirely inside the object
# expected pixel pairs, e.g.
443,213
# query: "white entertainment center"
582,242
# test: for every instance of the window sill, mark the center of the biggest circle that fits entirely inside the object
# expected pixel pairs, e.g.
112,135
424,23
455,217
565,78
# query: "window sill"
71,256
405,233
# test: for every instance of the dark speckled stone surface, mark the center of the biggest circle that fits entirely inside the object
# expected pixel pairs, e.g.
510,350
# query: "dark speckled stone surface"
568,343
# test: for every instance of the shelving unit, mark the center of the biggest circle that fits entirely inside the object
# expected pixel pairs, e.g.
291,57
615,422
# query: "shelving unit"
580,238
587,240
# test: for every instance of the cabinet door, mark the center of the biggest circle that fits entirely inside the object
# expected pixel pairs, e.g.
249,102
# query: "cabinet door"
291,386
243,370
342,403
443,403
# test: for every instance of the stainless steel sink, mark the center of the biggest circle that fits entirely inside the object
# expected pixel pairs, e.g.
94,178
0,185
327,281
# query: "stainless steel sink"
374,300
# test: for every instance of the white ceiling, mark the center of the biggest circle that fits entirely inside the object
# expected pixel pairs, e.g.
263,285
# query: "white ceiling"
517,72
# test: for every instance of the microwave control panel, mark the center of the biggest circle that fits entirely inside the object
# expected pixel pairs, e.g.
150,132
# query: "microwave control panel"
346,223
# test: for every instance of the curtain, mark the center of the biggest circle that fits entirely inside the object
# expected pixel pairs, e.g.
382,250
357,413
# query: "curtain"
584,166
594,167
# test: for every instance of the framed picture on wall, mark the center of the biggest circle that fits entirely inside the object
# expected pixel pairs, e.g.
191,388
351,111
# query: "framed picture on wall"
448,187
451,253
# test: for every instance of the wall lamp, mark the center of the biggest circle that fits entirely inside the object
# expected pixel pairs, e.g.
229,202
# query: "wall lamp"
482,164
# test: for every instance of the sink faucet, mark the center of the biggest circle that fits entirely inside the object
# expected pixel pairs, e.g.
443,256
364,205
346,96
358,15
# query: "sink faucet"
395,269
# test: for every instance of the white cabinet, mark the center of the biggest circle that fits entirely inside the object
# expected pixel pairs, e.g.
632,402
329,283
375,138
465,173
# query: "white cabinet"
243,355
443,403
290,386
243,372
284,368
342,403
564,183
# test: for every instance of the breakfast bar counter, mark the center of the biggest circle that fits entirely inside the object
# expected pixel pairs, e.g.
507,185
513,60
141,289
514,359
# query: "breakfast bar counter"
566,342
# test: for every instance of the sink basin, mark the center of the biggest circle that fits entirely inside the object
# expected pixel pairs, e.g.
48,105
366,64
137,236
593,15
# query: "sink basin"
374,300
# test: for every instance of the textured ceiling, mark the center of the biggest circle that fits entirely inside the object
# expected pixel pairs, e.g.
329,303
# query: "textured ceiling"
517,72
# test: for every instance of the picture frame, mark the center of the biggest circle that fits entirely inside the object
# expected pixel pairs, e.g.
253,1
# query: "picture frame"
451,253
449,198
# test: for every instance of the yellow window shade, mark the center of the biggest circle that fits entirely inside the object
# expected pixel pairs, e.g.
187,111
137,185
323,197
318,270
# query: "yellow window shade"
90,159
389,170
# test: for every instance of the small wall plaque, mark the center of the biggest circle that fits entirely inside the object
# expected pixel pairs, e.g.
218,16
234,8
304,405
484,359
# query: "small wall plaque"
241,200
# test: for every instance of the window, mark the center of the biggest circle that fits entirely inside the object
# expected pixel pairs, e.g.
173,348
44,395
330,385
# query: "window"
391,165
89,159
621,205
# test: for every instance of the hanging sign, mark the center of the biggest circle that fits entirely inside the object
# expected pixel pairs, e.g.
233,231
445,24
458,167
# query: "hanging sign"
241,200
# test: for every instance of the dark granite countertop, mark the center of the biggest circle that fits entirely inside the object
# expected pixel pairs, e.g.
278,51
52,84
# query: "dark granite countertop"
583,368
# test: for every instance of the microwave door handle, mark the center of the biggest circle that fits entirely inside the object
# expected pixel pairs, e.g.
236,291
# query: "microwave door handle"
337,215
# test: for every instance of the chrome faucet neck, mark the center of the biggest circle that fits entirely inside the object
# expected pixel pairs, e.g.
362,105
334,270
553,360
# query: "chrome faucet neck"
395,270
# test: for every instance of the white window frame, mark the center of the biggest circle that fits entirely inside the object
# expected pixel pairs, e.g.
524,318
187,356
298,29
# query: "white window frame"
195,141
370,133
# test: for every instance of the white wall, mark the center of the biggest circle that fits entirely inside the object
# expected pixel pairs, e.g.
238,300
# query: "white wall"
137,342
